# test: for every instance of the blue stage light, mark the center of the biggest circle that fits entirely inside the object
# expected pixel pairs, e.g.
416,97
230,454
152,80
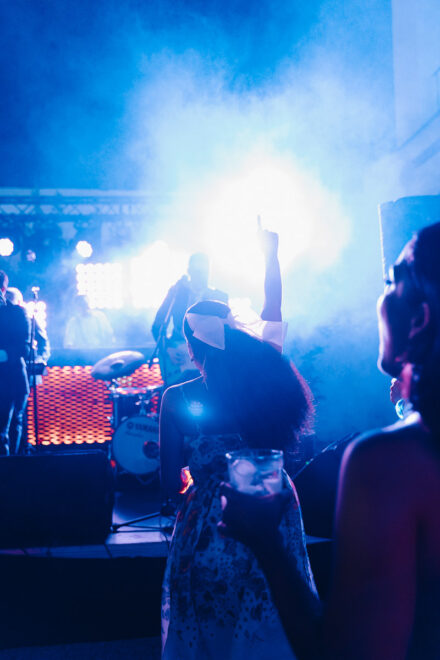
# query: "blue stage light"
6,247
84,249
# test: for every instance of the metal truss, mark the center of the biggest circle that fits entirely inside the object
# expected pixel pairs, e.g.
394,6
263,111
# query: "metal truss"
67,205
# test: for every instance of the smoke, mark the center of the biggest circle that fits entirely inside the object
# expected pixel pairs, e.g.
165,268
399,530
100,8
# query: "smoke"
300,148
224,111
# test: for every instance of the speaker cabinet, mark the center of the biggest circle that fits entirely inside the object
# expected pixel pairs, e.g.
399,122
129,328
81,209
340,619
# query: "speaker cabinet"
55,499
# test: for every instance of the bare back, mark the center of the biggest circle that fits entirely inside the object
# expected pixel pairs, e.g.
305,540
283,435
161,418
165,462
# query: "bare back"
387,568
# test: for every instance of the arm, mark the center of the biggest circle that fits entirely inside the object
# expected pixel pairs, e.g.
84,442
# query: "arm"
272,277
254,521
19,343
162,313
164,309
171,445
43,345
371,606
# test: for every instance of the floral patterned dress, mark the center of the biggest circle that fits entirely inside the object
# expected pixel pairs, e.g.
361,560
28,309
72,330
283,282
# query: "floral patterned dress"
216,602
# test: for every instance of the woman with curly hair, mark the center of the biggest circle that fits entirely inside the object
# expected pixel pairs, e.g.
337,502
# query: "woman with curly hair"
216,601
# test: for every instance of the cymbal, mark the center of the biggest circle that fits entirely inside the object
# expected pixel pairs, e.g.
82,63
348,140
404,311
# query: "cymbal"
118,364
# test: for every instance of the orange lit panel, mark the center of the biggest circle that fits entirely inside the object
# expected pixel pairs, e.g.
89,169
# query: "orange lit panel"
73,408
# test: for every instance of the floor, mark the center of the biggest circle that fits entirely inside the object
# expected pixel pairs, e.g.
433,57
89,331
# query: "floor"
136,649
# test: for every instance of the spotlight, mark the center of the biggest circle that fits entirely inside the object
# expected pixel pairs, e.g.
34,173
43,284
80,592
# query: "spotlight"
84,249
38,308
6,247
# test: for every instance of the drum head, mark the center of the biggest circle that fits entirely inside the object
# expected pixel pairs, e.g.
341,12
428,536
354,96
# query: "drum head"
135,445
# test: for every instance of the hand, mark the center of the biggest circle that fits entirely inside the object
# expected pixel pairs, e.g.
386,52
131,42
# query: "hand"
268,241
252,520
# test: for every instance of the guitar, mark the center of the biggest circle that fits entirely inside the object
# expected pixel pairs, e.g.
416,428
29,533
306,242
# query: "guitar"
174,360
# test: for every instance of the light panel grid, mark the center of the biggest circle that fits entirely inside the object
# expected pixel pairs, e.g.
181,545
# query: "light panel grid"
75,409
102,284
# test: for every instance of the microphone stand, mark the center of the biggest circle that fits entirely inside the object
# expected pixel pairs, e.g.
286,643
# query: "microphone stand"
31,363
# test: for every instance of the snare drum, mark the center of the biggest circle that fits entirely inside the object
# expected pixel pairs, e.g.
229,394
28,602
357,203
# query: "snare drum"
127,402
135,445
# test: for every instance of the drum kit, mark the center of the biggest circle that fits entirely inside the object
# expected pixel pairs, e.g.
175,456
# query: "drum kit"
135,442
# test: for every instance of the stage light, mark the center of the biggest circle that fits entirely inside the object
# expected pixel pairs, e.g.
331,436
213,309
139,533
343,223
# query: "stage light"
6,247
84,249
153,272
102,284
291,201
40,309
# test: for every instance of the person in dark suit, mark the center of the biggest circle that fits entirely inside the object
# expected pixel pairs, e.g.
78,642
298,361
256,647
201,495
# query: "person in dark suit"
14,348
41,346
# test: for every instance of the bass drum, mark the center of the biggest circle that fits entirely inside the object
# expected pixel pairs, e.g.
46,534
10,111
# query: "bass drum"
135,445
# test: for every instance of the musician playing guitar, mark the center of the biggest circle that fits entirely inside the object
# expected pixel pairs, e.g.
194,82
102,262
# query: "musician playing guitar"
176,365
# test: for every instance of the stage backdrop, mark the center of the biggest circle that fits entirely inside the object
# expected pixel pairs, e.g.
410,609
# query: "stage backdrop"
74,408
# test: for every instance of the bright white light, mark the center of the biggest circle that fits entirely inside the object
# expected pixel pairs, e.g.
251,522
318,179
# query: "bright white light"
6,247
102,284
240,307
153,272
40,310
84,249
290,201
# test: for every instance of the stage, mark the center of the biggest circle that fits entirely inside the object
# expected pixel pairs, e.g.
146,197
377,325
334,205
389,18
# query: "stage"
99,592
103,583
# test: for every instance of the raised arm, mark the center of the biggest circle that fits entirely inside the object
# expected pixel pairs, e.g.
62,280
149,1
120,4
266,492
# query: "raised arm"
272,276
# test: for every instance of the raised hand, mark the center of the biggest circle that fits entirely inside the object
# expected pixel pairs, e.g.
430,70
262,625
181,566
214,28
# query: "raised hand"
268,241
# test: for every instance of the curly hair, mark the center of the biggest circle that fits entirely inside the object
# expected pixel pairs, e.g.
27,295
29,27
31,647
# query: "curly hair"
425,349
260,389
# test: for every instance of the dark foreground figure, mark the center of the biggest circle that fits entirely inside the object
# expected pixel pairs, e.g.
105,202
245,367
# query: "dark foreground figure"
385,598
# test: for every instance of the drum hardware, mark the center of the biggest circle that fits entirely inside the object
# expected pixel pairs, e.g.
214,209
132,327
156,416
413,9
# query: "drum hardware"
135,446
130,401
135,442
116,365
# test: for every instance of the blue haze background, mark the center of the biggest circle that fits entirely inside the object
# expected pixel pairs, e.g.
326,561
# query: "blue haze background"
166,96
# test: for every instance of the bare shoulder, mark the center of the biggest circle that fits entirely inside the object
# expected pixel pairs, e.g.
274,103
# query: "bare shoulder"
399,455
174,394
175,403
